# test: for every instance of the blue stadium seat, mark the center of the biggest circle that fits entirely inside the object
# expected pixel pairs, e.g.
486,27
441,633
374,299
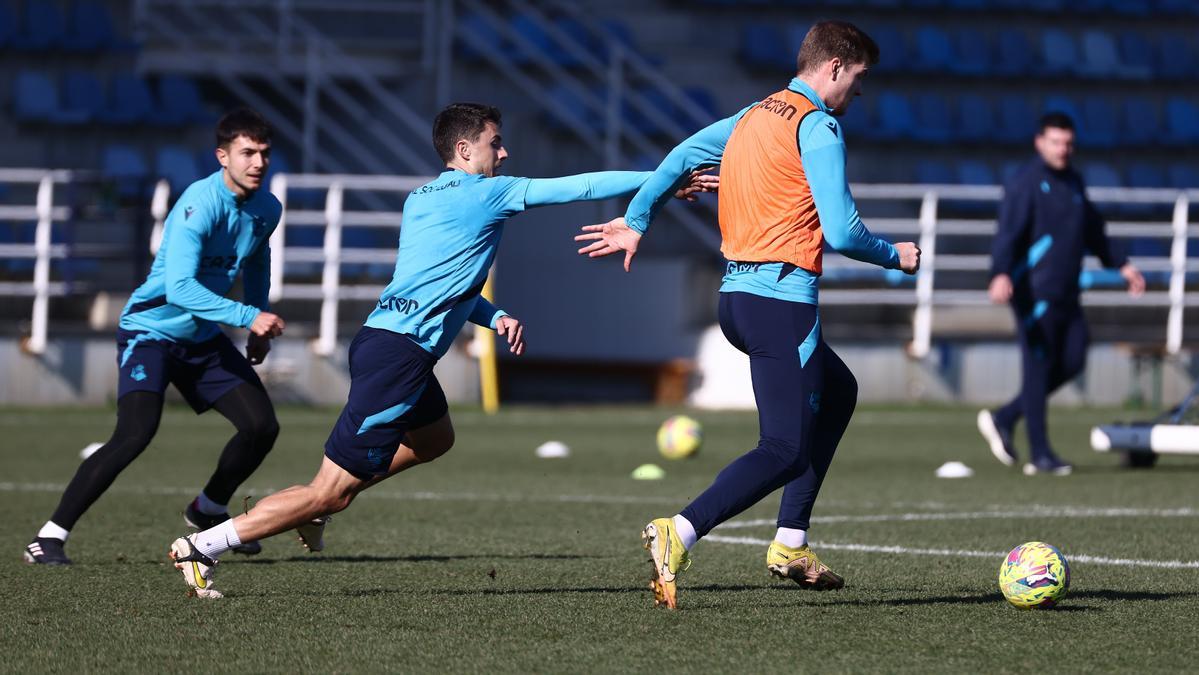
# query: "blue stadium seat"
975,172
857,122
179,101
968,5
206,161
934,171
130,101
1059,54
972,53
481,40
35,98
574,104
126,167
762,46
579,35
42,26
1099,55
1177,7
90,27
1140,122
177,165
933,52
1146,175
976,118
83,93
1101,174
1099,122
793,35
1184,175
1131,7
1136,55
934,123
527,27
894,119
1182,120
1017,120
892,49
1175,58
1014,53
1064,104
8,24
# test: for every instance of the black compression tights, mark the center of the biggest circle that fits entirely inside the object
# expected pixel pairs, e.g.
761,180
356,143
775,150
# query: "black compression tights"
138,414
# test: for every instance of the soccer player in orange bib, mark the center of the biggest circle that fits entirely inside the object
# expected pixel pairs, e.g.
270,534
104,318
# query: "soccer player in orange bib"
783,195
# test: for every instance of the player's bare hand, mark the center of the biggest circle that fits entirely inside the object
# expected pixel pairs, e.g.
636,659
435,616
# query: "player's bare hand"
267,325
1000,289
513,330
611,237
257,347
1136,281
702,180
909,256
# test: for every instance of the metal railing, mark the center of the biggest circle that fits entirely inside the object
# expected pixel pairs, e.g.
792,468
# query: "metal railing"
41,250
924,296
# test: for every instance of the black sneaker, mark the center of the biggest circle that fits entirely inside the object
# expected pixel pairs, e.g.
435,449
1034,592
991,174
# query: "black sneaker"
1048,464
198,520
998,438
46,551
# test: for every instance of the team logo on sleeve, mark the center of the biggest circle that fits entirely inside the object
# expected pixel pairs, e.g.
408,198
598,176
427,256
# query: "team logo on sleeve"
187,212
832,126
259,225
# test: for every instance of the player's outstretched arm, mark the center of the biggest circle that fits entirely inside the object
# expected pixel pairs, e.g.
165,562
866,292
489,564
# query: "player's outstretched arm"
705,148
183,262
611,237
606,185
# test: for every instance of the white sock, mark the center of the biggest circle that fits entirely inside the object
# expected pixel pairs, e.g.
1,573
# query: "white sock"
209,507
791,537
216,540
686,531
52,531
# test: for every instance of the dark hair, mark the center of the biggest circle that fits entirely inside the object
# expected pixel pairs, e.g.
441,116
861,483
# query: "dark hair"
243,122
1056,120
836,40
460,121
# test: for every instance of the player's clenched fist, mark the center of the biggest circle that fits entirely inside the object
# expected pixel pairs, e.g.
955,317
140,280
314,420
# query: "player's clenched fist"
267,325
909,256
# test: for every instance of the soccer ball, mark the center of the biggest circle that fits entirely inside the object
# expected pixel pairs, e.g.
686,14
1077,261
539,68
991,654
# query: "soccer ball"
679,437
1034,576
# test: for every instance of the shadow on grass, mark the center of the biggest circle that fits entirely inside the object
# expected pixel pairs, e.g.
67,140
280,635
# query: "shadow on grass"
996,597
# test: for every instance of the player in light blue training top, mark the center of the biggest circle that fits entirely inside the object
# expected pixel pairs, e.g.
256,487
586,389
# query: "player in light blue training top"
169,334
396,416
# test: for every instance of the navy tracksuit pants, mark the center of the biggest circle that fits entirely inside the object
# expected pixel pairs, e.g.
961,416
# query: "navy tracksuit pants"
1053,348
805,396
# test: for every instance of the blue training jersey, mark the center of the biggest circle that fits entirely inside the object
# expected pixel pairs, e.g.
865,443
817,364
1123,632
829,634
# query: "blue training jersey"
448,239
209,236
822,150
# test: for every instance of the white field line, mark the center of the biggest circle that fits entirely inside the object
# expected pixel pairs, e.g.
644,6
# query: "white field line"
1034,512
960,553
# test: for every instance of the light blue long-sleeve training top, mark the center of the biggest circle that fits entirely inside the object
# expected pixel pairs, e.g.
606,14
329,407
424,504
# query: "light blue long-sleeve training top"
448,240
210,235
822,150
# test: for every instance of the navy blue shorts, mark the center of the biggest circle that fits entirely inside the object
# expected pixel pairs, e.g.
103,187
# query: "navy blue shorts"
202,372
392,390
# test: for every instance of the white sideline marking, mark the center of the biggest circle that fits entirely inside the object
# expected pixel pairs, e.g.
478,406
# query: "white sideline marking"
1034,512
958,553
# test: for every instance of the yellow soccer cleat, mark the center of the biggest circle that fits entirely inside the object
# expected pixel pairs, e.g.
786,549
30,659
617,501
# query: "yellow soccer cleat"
668,556
196,567
801,566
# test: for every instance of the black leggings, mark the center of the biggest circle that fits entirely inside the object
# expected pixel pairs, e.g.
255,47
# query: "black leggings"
138,414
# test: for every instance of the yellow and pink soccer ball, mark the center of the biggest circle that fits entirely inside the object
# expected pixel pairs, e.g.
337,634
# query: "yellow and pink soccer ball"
679,437
1034,576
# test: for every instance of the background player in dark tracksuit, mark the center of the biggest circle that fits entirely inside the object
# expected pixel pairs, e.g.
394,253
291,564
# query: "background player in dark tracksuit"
1046,226
396,415
168,333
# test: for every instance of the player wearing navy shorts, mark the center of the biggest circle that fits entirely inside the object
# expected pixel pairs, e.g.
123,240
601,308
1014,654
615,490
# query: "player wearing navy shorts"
169,334
396,416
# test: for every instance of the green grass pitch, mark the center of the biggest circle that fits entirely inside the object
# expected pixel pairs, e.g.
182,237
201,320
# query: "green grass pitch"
493,560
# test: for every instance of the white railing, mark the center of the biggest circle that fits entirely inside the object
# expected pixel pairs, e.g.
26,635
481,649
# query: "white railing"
41,249
925,228
924,297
